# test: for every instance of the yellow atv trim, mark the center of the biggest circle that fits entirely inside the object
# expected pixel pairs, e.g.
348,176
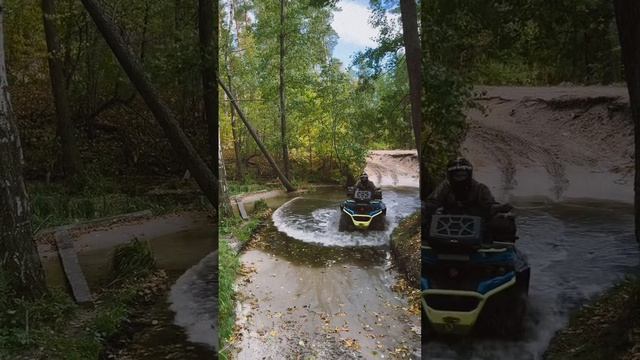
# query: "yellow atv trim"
362,224
458,322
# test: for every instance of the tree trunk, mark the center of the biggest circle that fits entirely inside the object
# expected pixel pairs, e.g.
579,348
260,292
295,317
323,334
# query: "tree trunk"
414,61
628,20
236,142
225,203
207,22
19,260
413,53
71,163
285,181
179,141
427,184
234,124
283,119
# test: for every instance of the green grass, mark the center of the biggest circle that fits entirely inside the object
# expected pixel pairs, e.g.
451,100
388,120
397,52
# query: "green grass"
238,228
132,260
242,230
608,328
228,265
53,327
54,204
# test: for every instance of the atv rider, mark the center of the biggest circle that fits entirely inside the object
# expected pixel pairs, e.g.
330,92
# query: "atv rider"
365,184
460,194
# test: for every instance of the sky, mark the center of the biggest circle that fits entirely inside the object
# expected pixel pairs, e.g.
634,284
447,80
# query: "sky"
353,28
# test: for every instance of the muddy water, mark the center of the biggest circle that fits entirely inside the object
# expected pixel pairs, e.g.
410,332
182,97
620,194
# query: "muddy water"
576,250
177,241
314,292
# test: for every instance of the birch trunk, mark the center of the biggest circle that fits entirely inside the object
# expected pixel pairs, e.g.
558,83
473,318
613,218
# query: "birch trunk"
19,260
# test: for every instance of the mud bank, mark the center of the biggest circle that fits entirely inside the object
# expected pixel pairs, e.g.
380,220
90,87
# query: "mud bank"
405,247
609,327
553,142
393,167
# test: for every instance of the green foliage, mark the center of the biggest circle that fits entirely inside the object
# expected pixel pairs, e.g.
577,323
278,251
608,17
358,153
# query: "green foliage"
229,265
445,100
115,132
108,322
528,42
334,114
260,205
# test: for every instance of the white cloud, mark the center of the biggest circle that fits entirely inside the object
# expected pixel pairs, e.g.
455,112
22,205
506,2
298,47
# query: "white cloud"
352,24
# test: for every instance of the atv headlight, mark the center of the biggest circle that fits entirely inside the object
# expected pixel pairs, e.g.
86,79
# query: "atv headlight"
493,271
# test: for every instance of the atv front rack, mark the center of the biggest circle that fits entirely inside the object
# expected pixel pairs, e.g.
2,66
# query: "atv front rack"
456,311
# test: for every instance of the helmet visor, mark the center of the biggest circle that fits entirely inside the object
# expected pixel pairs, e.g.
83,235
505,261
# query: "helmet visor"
459,175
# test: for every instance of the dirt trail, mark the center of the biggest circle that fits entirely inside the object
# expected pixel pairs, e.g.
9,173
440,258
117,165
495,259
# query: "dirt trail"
565,142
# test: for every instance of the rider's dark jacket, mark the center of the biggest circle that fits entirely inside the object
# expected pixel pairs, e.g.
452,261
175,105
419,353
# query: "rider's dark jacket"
368,185
478,201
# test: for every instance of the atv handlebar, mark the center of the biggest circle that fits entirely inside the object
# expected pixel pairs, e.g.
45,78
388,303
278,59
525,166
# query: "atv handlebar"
501,208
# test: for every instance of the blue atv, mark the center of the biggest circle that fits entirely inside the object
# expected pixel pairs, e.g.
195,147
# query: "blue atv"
364,210
474,279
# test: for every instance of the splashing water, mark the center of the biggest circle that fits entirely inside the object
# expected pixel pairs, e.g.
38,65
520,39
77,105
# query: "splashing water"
193,299
575,252
315,220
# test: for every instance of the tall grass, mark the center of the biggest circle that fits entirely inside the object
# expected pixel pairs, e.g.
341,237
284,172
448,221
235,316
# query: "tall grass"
132,260
54,204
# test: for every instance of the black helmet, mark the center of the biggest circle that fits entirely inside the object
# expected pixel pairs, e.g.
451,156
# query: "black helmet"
459,170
